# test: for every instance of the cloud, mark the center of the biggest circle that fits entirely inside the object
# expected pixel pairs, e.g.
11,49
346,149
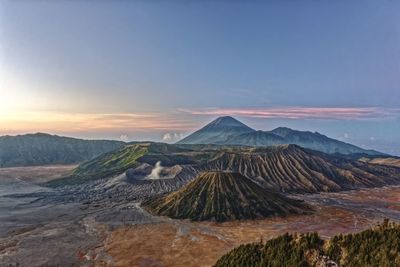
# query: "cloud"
293,112
344,137
90,122
124,138
172,137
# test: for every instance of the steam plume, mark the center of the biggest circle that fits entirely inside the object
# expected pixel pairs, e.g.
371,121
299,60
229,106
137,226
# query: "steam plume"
155,172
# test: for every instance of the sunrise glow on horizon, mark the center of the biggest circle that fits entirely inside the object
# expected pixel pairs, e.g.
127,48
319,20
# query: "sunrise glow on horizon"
145,71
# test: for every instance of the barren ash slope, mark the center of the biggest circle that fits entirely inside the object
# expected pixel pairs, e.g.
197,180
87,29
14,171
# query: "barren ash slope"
222,196
388,161
290,168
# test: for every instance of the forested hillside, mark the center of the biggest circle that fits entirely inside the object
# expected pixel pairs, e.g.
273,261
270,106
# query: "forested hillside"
378,246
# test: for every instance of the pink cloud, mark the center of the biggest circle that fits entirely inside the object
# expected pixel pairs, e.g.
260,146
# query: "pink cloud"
84,122
299,112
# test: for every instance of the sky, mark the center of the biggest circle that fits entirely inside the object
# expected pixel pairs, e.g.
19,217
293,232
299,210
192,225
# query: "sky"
157,70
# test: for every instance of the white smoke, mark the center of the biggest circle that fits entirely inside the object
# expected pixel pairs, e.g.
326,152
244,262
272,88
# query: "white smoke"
155,172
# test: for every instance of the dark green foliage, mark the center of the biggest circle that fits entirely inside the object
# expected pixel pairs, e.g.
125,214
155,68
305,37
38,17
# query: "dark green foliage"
44,149
379,246
285,250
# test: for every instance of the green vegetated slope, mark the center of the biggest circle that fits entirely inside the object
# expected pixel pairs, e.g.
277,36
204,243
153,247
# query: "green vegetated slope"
378,246
222,196
112,163
118,161
106,165
45,149
290,168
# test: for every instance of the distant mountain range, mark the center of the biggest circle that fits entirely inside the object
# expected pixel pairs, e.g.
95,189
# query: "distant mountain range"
221,196
44,149
229,131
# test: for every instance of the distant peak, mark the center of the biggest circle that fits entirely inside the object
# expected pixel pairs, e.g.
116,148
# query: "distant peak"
226,121
282,129
41,134
217,131
226,118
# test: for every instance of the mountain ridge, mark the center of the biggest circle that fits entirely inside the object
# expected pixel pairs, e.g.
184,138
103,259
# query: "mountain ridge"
44,149
247,136
291,168
286,168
